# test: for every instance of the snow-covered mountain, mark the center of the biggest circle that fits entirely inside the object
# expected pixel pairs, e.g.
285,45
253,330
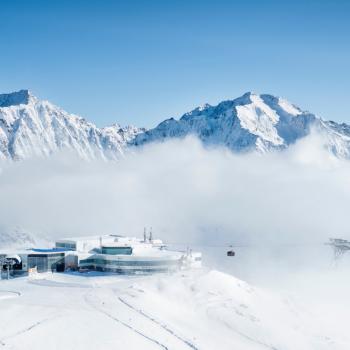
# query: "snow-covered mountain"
17,238
251,122
31,127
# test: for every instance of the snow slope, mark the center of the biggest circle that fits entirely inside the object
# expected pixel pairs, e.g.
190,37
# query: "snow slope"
16,238
195,310
251,122
31,127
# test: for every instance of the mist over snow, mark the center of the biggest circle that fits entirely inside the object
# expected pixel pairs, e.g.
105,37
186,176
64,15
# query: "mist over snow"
187,193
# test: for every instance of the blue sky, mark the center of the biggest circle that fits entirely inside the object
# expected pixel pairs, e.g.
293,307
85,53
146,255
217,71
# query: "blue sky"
139,62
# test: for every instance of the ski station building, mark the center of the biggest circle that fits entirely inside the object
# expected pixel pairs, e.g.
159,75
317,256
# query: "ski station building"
108,253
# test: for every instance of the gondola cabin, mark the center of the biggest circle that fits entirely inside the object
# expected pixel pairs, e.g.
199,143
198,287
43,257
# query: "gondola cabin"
231,253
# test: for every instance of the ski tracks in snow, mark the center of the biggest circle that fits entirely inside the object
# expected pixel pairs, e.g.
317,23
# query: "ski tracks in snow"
25,330
159,323
125,324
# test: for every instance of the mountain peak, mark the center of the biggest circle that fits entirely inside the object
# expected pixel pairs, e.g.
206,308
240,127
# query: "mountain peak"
245,99
251,122
16,98
248,94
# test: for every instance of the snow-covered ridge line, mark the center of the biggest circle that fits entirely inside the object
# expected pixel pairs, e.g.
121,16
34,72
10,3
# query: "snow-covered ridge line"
31,127
252,122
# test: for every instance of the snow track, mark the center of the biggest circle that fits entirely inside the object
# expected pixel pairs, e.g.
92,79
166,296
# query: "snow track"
159,323
25,330
202,310
118,320
256,341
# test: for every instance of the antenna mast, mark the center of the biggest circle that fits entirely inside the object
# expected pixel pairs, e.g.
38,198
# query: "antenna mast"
150,235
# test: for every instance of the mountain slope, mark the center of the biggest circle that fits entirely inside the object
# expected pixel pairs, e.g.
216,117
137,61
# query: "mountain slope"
263,123
187,311
31,127
251,122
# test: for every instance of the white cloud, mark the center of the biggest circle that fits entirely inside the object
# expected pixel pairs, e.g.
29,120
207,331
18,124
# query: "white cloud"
187,193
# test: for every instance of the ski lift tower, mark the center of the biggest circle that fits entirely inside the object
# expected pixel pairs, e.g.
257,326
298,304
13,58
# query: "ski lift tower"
340,246
1,265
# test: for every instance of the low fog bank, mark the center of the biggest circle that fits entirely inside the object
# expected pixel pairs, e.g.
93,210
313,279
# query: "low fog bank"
190,196
185,192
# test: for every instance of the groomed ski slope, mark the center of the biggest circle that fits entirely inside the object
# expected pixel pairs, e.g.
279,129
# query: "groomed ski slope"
192,310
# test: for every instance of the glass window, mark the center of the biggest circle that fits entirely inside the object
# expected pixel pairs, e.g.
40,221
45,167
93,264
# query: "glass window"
117,250
65,245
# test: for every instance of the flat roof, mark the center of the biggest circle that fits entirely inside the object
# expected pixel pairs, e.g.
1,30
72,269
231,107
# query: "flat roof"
86,238
50,250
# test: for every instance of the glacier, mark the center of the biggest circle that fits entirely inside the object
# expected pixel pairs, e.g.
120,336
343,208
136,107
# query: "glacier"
263,123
